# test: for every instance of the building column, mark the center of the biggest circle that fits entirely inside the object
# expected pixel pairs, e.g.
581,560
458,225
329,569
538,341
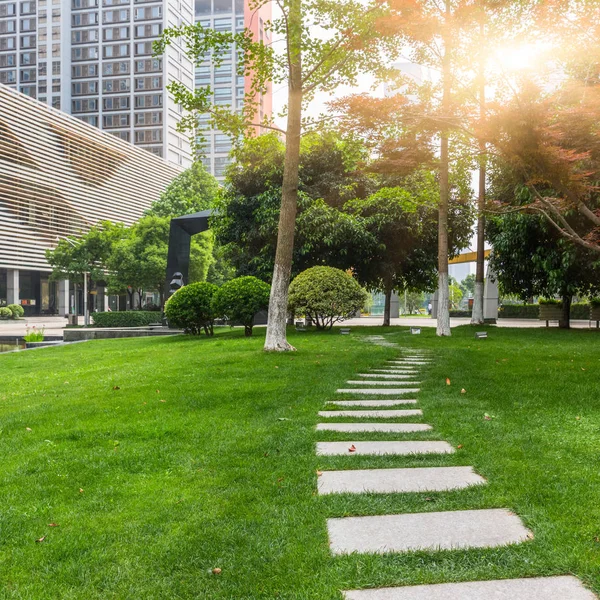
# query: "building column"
12,286
63,297
394,306
490,297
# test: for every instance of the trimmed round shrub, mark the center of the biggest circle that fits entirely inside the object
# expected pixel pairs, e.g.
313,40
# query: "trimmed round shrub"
5,313
326,295
126,318
17,310
240,299
191,308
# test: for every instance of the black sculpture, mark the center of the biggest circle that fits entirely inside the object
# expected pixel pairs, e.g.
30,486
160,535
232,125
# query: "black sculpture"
178,258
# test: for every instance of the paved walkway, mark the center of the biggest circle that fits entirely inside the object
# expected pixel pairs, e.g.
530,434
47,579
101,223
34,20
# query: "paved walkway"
430,531
455,322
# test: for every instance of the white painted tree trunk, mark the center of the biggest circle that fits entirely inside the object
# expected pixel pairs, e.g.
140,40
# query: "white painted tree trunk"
443,312
276,334
477,315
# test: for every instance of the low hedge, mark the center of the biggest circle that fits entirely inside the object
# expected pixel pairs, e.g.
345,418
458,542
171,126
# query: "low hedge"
460,313
129,318
519,311
581,310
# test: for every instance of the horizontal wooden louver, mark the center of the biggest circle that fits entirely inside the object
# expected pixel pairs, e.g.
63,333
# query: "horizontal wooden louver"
59,176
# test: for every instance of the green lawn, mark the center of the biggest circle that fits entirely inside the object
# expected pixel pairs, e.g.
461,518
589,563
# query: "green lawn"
160,459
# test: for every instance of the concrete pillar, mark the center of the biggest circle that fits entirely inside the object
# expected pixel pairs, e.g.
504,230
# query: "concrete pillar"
490,297
12,286
434,305
394,306
63,297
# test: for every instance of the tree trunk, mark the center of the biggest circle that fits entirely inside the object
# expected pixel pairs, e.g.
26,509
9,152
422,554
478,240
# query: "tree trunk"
388,306
277,319
565,322
443,313
477,317
247,330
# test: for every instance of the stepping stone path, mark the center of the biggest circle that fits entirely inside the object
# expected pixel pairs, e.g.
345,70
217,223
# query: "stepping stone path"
428,531
386,481
381,448
377,392
385,427
395,402
398,382
373,414
539,588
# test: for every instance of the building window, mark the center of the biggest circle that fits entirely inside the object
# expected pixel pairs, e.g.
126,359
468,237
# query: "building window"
56,102
221,163
8,60
115,68
8,76
7,9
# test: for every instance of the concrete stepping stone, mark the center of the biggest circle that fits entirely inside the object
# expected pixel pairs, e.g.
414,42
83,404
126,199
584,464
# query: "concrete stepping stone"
382,448
396,402
374,427
386,375
389,481
379,392
408,372
408,363
397,382
449,530
536,588
374,414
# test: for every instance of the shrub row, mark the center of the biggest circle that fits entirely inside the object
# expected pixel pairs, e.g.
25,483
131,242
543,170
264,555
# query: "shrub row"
130,318
12,311
460,313
195,307
322,294
580,310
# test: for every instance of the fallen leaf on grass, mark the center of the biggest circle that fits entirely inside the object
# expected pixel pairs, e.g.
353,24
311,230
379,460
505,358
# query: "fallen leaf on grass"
282,419
158,391
40,540
116,387
447,381
216,571
578,418
163,400
27,428
81,490
319,473
352,448
52,524
463,391
459,446
582,369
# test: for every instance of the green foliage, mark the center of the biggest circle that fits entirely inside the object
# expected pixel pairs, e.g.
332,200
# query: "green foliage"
518,311
531,258
549,302
191,308
192,191
467,285
130,318
247,219
455,294
240,299
34,334
595,302
5,312
17,311
90,253
413,300
326,295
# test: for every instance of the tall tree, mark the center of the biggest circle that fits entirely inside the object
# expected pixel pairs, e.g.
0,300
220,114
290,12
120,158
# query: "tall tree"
326,44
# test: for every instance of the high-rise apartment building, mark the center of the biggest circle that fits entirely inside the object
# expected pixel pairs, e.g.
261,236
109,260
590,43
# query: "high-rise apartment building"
93,59
229,88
